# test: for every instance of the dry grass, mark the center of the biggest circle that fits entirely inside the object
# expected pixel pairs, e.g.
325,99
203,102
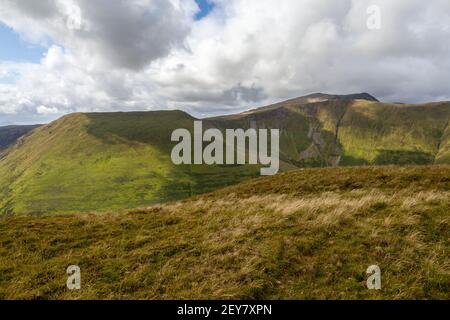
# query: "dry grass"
300,242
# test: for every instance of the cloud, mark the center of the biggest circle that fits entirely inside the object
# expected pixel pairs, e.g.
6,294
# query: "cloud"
122,33
300,46
152,54
46,110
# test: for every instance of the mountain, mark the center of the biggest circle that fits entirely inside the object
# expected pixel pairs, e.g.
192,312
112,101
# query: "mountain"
305,234
114,161
10,134
342,131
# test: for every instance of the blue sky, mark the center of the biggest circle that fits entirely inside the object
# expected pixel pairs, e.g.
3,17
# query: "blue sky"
205,7
15,49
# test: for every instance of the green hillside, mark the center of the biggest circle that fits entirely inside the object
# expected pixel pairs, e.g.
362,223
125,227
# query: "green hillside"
354,132
112,161
306,234
101,161
395,134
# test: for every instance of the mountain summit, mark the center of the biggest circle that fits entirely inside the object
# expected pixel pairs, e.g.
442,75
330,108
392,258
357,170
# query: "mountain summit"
319,97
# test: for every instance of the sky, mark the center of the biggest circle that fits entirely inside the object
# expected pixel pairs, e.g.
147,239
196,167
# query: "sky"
14,48
212,57
205,7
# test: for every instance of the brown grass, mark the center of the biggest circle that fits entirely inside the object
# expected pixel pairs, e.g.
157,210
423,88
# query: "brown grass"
274,238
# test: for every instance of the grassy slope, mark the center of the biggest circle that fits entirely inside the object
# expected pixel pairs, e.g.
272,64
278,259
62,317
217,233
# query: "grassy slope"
394,134
303,234
443,156
86,162
368,132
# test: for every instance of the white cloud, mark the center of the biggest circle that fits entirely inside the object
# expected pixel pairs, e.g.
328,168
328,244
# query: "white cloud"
151,54
46,110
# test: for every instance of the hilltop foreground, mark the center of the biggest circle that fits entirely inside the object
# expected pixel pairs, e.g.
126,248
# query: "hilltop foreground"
304,234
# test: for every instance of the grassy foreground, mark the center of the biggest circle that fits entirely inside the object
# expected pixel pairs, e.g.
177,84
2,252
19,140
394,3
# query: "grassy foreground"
307,234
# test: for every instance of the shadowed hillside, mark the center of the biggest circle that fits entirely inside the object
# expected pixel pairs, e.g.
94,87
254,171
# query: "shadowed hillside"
307,234
10,134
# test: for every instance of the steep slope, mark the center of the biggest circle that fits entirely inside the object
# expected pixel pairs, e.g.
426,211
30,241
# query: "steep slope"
443,155
103,161
308,234
10,134
341,131
394,134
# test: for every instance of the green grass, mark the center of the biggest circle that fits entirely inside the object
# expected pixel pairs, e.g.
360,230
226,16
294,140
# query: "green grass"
307,234
380,133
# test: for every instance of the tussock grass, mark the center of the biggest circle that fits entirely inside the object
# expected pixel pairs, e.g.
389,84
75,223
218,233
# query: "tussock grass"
308,234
